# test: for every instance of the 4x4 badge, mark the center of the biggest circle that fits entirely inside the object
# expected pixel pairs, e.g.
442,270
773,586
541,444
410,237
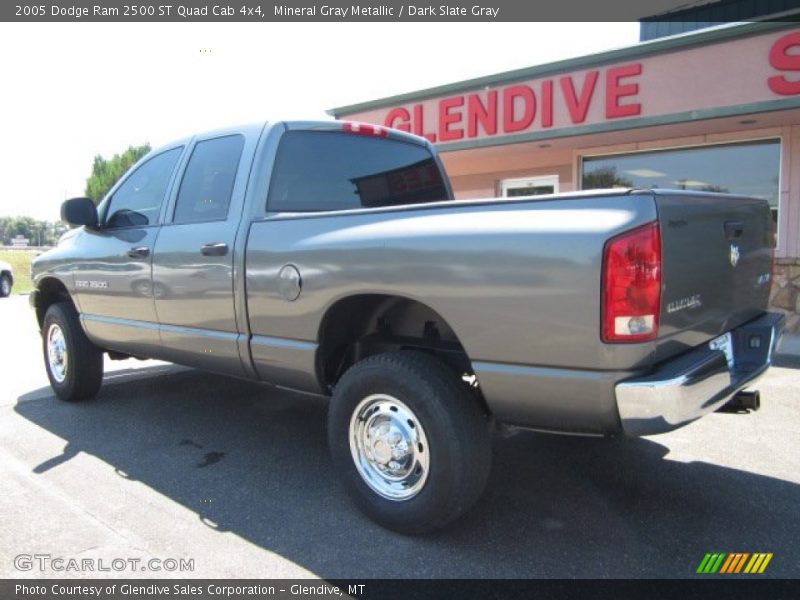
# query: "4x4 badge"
734,255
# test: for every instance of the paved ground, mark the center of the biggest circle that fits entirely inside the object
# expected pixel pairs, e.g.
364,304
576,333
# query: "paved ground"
174,463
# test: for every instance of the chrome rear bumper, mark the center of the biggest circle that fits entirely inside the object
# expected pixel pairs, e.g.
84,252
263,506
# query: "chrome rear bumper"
698,382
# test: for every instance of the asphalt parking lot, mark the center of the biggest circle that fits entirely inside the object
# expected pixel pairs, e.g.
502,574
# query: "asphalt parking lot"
169,462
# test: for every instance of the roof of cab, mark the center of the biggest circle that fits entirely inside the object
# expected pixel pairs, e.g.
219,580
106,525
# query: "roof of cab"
310,125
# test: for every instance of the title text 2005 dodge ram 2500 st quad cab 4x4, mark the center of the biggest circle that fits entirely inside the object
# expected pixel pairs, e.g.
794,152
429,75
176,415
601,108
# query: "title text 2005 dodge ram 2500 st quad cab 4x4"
330,258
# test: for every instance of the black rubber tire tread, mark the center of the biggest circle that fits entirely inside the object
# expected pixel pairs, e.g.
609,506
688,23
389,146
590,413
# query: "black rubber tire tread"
85,360
454,423
6,278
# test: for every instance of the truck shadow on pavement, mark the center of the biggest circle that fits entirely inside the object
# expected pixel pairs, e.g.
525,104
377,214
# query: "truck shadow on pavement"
253,460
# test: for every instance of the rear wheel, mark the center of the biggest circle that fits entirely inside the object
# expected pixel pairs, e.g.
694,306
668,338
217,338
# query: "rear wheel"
74,365
409,441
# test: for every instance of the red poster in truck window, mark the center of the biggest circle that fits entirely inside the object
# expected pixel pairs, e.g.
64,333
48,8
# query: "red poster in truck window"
420,182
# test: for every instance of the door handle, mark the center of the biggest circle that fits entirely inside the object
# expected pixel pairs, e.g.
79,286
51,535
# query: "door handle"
219,249
139,252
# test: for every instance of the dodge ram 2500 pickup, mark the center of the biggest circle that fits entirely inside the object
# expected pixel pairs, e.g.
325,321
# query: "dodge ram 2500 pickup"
331,258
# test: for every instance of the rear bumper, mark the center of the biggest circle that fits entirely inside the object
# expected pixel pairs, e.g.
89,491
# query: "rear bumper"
698,382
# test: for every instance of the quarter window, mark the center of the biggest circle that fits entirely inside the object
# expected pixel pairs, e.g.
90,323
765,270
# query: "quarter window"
205,192
137,202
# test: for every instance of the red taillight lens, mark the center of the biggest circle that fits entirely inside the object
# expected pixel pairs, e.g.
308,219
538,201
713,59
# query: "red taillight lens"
632,285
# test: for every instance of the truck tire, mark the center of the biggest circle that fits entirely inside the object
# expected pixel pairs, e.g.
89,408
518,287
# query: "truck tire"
5,286
409,441
74,365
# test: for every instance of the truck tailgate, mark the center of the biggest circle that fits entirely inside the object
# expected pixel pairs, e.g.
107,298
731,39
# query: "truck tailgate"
716,266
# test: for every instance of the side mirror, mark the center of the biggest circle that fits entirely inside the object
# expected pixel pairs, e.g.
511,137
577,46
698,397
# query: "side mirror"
79,211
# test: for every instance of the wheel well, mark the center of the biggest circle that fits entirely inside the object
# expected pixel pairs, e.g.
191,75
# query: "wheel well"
48,292
363,325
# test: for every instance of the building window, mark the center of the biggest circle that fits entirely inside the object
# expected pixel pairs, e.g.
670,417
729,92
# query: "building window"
748,169
529,186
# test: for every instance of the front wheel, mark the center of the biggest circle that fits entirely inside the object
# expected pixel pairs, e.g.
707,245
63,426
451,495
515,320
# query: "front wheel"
5,286
409,441
74,365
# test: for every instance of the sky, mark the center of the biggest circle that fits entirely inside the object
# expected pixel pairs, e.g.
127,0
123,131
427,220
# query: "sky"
70,91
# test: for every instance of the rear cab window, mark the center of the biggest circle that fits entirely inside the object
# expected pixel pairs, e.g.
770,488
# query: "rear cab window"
325,171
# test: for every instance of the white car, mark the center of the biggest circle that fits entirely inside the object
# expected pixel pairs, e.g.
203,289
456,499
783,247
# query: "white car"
6,279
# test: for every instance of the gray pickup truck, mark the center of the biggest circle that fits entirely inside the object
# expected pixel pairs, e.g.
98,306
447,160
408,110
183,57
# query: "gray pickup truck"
331,258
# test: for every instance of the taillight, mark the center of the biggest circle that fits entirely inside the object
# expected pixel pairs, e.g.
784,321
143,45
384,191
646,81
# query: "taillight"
364,129
632,285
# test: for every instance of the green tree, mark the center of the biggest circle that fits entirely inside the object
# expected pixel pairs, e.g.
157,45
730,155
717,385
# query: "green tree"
106,172
38,233
604,178
715,188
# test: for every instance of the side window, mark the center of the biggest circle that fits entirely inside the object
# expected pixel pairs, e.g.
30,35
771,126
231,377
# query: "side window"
138,200
205,191
323,170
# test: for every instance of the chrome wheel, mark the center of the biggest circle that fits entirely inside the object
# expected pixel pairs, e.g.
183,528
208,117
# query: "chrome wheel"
389,447
5,286
57,355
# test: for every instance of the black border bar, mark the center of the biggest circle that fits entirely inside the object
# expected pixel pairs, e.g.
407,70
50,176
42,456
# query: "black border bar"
730,587
413,11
